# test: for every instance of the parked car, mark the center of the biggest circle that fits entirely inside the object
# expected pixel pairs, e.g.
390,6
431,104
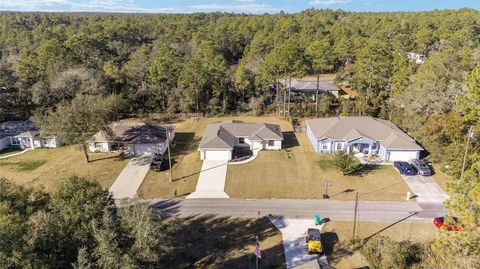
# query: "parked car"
449,222
314,241
159,164
405,168
422,168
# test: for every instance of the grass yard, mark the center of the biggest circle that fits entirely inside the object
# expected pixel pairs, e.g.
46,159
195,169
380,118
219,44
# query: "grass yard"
441,178
337,236
49,167
226,243
187,163
297,172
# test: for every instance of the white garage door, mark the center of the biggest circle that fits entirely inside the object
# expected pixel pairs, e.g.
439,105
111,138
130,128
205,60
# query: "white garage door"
398,155
145,149
214,155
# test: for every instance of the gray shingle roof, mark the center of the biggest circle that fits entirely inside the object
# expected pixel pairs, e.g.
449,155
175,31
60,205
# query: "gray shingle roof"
222,136
351,128
13,128
134,133
307,85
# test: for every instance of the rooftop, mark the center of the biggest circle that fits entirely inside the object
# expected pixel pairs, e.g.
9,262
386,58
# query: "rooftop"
351,128
132,132
222,135
18,128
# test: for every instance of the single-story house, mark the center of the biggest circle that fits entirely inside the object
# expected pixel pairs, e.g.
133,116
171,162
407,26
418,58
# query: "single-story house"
365,135
219,140
308,86
135,137
24,135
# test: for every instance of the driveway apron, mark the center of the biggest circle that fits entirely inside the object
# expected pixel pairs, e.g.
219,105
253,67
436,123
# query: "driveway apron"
211,181
294,244
131,177
425,189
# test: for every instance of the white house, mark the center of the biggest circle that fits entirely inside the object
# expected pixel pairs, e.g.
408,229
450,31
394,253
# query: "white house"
24,135
365,135
135,137
220,140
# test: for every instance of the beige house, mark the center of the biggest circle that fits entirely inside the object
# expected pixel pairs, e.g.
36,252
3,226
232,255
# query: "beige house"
220,140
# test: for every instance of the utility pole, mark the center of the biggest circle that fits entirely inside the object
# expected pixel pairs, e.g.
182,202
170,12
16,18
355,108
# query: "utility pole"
469,136
170,174
285,96
289,88
316,94
355,216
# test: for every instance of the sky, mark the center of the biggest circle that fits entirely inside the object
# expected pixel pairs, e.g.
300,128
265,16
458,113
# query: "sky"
237,6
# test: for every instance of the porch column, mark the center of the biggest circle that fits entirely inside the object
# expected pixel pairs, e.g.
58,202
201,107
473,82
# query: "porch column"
370,149
31,143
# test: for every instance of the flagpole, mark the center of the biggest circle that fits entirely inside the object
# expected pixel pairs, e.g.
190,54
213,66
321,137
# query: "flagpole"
256,256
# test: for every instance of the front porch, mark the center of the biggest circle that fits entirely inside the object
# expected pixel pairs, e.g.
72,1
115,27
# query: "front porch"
375,159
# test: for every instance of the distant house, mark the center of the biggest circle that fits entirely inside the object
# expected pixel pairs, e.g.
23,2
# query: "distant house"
135,137
416,57
308,86
24,135
220,140
364,135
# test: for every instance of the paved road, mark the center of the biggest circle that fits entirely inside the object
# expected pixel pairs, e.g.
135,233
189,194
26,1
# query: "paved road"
211,181
131,177
299,209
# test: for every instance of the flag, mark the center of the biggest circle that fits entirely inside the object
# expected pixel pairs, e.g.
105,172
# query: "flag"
258,251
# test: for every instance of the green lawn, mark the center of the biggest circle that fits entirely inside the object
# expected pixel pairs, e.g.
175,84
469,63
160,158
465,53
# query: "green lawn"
187,163
299,173
49,167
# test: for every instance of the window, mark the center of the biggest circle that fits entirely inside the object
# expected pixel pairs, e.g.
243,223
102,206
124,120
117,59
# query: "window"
241,140
325,146
271,143
339,146
15,140
98,145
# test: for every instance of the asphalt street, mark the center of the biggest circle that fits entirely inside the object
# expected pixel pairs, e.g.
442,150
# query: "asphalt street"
300,209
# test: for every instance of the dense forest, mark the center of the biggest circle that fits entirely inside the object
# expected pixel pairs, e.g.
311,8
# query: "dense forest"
219,63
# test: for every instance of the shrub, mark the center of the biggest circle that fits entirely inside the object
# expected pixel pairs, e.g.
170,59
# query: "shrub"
384,252
346,163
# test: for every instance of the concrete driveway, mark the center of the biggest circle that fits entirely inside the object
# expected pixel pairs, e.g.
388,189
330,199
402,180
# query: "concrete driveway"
211,181
131,177
426,189
293,233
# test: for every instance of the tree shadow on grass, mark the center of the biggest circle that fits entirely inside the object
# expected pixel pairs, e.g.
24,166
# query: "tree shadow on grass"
25,165
207,242
366,169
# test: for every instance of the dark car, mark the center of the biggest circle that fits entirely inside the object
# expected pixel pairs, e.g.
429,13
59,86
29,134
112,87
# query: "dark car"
449,222
158,163
422,168
405,168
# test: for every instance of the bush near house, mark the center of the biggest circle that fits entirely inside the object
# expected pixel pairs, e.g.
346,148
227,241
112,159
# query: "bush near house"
346,163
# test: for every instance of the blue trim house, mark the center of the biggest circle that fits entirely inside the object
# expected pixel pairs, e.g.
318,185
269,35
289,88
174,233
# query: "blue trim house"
362,135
